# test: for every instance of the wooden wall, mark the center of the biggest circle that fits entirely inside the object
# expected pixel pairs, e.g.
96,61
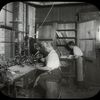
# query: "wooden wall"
87,40
47,32
62,13
22,17
98,33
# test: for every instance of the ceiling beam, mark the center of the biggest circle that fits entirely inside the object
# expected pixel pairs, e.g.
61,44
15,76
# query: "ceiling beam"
50,3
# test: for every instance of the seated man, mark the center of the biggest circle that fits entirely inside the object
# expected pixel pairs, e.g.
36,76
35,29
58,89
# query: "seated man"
49,79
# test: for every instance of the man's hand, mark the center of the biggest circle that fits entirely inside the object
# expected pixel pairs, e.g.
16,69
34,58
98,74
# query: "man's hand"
37,67
42,59
71,57
43,68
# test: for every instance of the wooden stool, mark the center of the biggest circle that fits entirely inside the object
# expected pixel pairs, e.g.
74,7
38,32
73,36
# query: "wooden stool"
52,89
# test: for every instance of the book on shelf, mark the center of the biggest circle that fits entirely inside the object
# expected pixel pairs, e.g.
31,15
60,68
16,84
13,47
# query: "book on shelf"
60,42
59,34
62,51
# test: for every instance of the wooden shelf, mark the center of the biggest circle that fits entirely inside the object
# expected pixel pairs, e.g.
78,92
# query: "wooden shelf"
6,27
11,28
66,38
67,30
60,45
88,39
45,39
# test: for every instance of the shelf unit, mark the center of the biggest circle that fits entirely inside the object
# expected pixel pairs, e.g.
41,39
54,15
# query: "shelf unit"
66,32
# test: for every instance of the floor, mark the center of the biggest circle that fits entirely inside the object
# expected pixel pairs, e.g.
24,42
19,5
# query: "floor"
66,92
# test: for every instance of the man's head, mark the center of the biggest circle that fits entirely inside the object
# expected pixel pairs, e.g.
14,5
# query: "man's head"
71,44
47,46
37,47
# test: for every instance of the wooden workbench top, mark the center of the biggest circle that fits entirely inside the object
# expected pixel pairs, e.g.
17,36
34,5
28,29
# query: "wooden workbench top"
18,71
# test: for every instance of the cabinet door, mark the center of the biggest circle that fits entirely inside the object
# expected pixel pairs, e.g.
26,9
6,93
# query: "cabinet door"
87,42
87,38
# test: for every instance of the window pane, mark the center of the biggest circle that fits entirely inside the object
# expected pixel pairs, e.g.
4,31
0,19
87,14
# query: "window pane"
2,34
2,17
31,20
9,6
2,48
9,19
8,35
2,38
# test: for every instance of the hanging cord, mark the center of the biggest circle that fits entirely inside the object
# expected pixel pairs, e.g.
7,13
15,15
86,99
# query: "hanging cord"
46,16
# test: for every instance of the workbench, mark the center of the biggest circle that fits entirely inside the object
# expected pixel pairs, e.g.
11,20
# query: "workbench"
18,73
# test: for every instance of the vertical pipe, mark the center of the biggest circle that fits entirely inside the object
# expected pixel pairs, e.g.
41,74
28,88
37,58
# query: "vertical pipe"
23,17
76,28
27,27
36,26
79,61
76,42
26,17
5,29
12,33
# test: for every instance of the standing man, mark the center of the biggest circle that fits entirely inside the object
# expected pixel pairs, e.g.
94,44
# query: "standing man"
49,80
78,55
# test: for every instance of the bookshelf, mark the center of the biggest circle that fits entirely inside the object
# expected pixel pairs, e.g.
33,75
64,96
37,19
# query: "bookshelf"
65,32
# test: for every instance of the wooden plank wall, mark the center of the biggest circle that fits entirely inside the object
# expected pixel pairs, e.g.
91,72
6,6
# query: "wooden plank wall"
98,33
62,13
22,24
46,32
87,39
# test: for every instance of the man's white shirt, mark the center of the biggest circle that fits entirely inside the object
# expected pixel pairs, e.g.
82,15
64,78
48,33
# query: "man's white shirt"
77,51
52,60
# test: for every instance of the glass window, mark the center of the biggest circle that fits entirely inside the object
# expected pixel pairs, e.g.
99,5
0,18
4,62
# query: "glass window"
9,18
9,7
2,17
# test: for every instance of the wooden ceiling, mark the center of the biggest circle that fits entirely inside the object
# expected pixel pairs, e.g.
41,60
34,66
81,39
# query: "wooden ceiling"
50,3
